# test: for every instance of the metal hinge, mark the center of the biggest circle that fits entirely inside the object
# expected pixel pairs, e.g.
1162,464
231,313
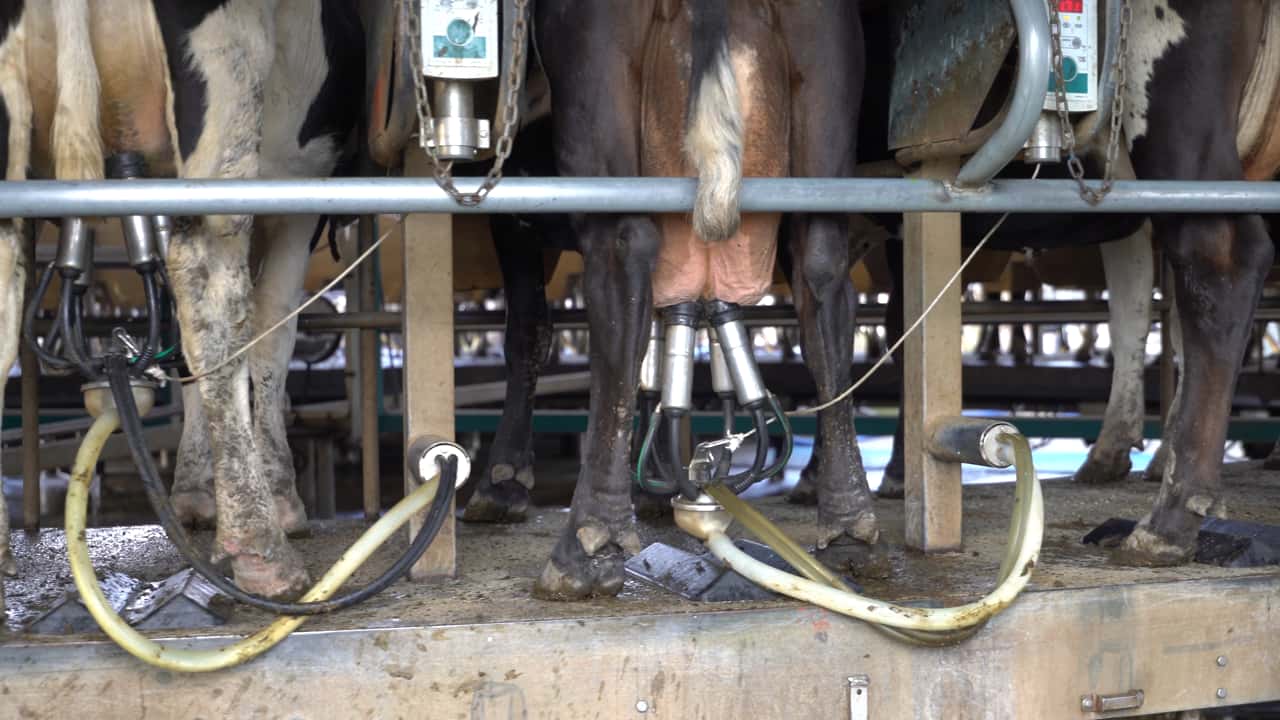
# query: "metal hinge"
1130,700
859,689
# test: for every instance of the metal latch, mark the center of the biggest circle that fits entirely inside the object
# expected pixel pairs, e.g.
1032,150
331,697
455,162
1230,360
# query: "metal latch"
859,689
1130,700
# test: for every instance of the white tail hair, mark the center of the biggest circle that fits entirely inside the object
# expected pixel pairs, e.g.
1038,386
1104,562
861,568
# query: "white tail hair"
714,146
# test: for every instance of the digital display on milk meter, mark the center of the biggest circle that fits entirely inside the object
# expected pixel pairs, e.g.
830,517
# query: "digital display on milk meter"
1079,22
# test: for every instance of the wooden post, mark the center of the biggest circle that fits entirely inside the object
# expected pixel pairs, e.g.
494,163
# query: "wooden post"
428,350
30,403
370,369
931,375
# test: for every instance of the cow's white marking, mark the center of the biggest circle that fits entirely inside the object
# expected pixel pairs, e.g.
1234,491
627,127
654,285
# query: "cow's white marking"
1156,28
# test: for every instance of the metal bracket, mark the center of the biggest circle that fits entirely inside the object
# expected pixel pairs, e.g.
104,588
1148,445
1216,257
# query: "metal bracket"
859,694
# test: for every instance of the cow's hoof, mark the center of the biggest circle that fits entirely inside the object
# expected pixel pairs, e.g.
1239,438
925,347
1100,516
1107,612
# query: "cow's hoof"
283,577
8,566
292,516
194,508
892,487
1273,460
806,490
860,526
1145,548
1102,468
502,497
857,558
586,563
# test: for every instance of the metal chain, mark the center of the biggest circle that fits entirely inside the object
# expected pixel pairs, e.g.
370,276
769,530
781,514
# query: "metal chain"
1092,195
442,170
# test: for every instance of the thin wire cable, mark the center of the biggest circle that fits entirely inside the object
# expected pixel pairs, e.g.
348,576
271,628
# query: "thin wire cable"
281,323
914,326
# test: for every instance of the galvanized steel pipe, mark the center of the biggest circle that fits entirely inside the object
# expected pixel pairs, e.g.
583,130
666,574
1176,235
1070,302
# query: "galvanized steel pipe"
359,196
1032,20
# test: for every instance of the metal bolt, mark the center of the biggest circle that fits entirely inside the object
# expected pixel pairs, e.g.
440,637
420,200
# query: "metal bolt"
642,706
1222,693
1086,703
1222,661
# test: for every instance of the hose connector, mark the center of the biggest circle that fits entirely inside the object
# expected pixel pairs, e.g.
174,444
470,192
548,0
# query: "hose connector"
721,380
98,398
651,365
971,440
75,248
139,235
700,518
735,342
677,368
426,450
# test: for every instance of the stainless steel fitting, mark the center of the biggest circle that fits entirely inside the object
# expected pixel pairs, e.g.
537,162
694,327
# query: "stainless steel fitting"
457,133
971,440
702,517
75,247
739,355
721,380
1045,143
425,450
163,226
677,367
139,236
651,365
98,398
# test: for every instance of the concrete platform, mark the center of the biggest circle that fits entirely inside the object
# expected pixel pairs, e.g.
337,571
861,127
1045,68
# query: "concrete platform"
480,647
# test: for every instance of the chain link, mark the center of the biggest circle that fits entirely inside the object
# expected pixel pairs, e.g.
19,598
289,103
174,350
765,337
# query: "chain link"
1092,195
443,170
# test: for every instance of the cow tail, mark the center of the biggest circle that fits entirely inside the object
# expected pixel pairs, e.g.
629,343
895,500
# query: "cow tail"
714,137
77,141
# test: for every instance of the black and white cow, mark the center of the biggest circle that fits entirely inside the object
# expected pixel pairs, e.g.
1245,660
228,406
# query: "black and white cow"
1185,118
203,89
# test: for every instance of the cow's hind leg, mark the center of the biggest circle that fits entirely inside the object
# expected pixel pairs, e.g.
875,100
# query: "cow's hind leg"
1130,272
230,52
276,293
1219,264
822,132
15,149
192,493
502,494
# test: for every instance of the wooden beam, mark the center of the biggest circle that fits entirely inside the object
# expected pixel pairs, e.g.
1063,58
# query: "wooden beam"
931,381
428,349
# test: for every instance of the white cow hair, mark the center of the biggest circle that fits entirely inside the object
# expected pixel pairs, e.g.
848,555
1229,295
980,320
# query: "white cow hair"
1156,28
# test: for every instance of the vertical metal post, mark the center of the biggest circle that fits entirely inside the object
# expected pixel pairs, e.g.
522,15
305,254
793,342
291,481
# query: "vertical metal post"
428,350
370,367
931,376
30,404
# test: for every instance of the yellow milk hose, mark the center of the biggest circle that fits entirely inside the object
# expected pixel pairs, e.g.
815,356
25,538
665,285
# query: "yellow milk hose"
822,588
184,660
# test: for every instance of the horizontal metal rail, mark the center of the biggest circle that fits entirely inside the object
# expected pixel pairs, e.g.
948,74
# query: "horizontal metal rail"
972,313
575,421
356,196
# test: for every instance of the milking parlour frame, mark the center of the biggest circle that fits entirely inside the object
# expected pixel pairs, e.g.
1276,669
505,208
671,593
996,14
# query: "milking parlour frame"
1079,652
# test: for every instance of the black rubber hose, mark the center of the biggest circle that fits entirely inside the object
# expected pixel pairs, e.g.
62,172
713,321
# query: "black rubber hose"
72,337
152,345
118,374
788,440
675,471
44,352
745,479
